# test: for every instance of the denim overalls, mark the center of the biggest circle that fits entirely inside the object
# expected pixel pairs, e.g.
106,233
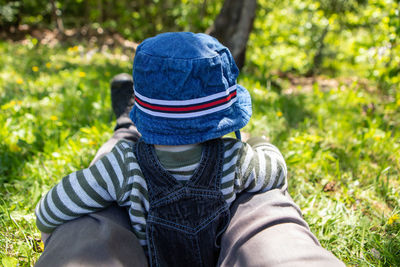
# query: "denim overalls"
185,221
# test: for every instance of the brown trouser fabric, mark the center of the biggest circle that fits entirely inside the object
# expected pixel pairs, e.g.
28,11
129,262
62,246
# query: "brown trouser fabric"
265,230
99,239
268,230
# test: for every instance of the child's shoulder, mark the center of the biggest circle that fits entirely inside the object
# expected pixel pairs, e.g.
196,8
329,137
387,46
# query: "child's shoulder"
237,142
231,140
125,145
233,145
252,144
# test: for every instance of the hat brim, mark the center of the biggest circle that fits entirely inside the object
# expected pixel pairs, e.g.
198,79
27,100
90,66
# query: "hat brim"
169,131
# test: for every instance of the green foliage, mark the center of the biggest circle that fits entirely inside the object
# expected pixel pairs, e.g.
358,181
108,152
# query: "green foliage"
136,20
8,11
358,38
333,37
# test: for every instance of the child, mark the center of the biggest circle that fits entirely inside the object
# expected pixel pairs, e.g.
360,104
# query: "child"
179,180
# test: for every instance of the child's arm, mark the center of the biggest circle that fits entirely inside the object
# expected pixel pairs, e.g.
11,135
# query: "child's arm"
84,191
260,167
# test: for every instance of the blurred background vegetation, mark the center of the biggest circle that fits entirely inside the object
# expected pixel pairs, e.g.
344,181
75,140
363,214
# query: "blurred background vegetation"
306,37
324,77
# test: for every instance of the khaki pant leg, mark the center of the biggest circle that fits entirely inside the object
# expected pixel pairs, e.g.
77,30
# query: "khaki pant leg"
100,239
268,230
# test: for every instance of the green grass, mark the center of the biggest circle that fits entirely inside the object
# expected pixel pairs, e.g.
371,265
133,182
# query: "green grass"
55,113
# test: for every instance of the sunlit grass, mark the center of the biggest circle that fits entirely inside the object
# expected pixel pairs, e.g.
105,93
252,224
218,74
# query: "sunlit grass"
341,146
55,114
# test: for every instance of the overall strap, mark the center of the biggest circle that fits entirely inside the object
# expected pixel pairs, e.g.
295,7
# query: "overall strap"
161,183
209,173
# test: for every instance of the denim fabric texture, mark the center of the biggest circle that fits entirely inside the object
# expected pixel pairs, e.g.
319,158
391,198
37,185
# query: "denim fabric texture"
185,222
183,66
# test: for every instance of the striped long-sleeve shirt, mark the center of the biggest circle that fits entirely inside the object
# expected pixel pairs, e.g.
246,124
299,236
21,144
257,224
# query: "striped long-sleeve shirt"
117,178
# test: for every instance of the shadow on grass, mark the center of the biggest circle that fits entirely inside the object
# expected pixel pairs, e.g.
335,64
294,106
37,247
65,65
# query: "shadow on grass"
293,108
11,163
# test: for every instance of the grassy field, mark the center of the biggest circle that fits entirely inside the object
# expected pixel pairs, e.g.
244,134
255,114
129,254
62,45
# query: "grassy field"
341,143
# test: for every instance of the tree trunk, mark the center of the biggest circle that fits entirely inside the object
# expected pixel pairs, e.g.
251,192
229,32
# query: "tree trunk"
100,9
318,57
56,14
233,25
203,9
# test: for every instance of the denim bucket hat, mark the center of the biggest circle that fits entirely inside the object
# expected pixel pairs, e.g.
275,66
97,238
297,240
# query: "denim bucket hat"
186,91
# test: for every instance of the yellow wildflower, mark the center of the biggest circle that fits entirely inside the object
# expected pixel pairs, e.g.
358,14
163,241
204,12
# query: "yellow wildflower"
82,74
53,118
19,81
386,20
279,114
398,102
73,49
35,68
14,148
8,105
91,142
48,65
393,219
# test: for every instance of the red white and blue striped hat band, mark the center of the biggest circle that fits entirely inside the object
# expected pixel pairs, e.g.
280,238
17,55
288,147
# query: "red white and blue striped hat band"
190,108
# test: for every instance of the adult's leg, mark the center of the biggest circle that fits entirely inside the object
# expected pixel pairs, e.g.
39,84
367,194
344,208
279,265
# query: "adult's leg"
102,238
99,239
268,230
